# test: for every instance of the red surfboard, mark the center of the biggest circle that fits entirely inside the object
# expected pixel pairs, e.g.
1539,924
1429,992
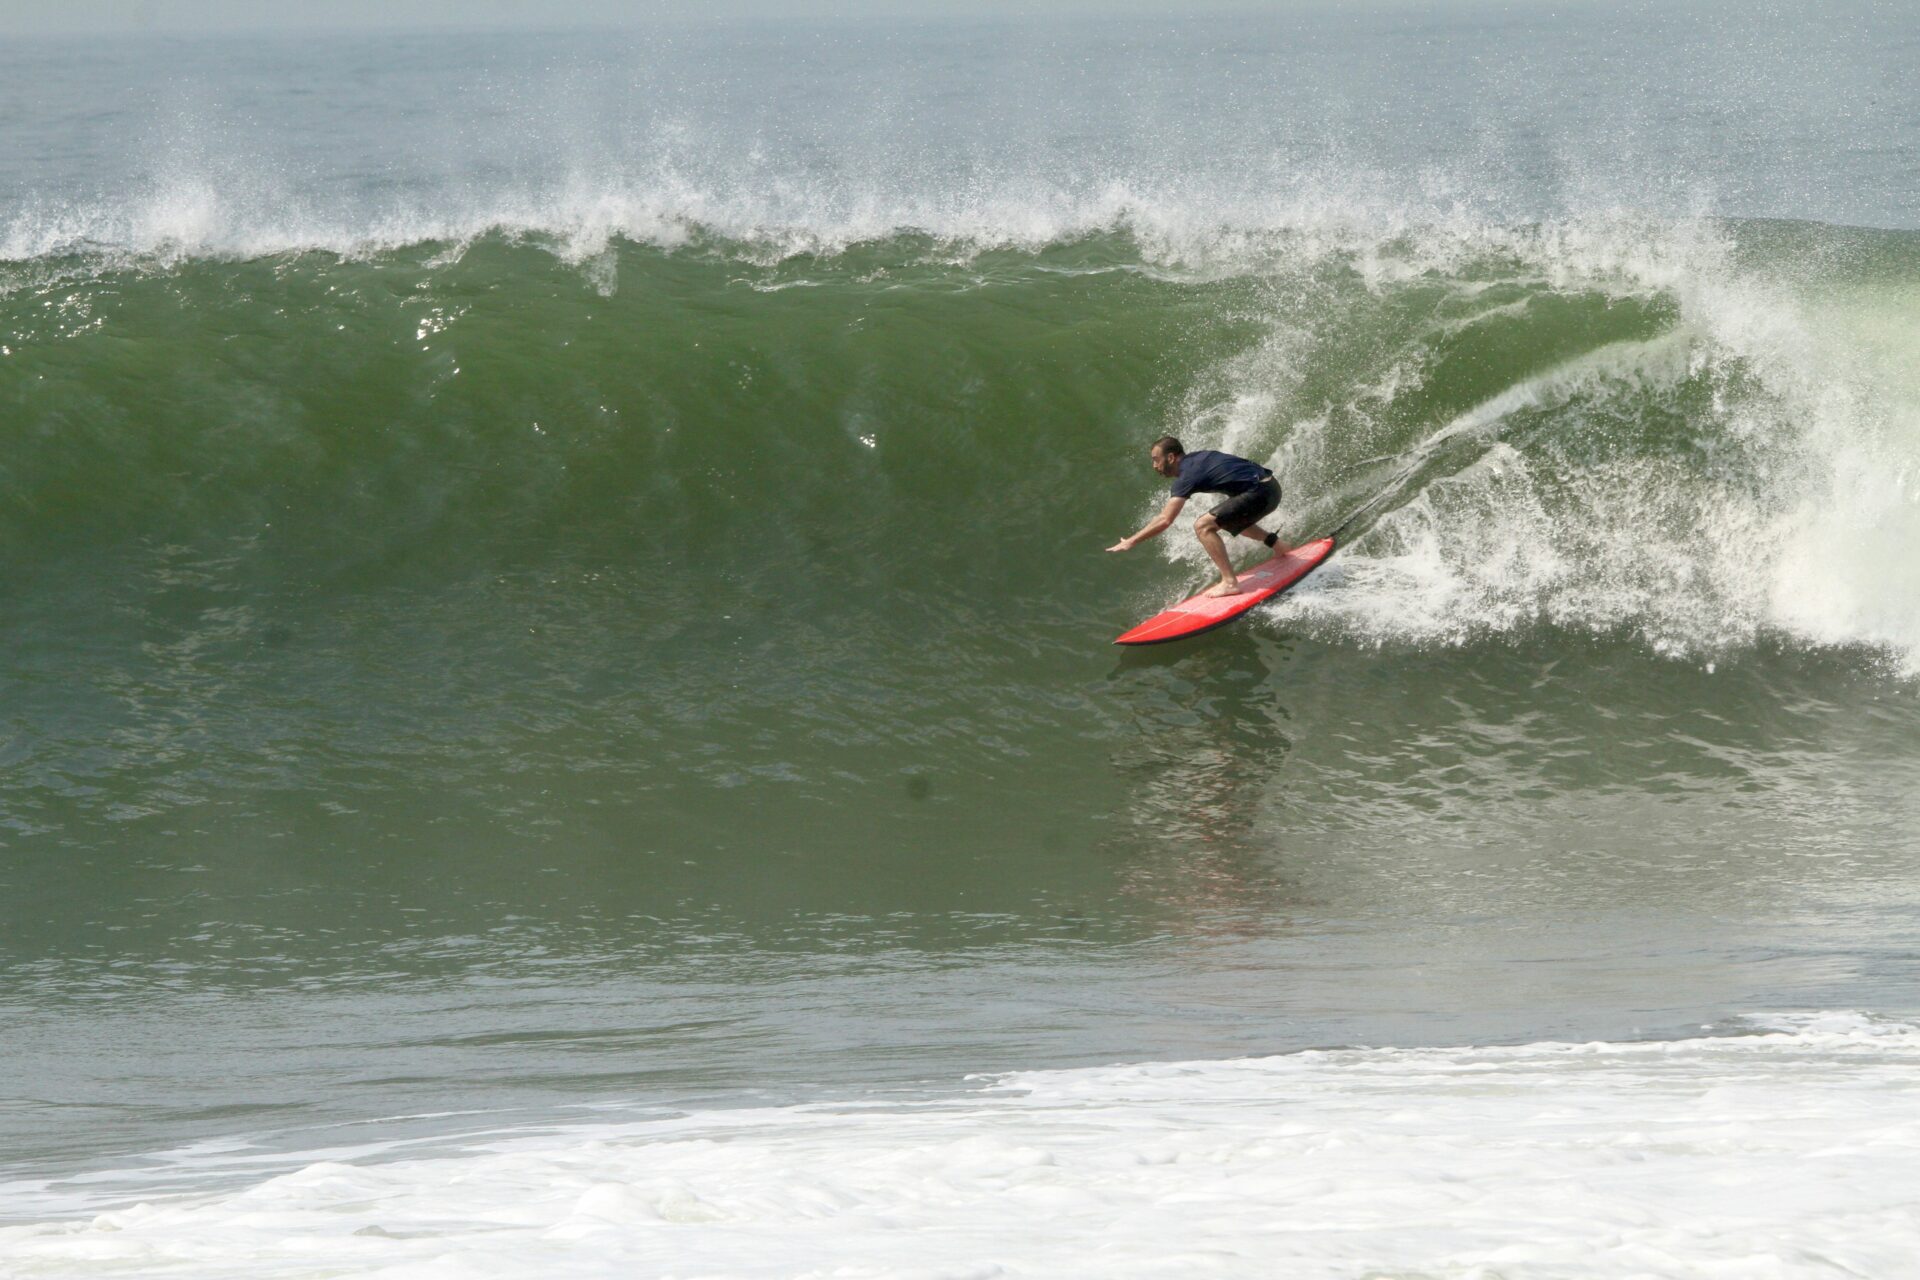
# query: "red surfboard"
1204,612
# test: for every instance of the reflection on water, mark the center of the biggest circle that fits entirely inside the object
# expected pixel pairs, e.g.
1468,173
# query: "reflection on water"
1206,737
1519,785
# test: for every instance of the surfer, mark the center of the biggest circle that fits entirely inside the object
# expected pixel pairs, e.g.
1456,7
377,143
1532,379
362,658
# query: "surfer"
1252,494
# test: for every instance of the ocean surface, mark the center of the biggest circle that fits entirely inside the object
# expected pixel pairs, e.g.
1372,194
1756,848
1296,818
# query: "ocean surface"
556,695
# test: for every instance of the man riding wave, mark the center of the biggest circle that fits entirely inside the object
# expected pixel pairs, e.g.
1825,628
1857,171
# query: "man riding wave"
1251,492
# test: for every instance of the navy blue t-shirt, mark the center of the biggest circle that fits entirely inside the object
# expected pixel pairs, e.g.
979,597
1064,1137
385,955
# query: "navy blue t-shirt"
1210,471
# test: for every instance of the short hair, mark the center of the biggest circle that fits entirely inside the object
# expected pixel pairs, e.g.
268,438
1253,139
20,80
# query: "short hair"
1167,444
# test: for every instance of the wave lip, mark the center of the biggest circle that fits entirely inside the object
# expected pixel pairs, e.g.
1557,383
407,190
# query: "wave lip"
1786,1149
1261,219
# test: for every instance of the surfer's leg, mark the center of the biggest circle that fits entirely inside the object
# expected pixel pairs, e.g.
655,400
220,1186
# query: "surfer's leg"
1243,512
1207,529
1260,535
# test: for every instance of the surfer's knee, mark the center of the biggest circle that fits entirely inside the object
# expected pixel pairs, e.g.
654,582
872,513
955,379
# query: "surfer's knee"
1205,525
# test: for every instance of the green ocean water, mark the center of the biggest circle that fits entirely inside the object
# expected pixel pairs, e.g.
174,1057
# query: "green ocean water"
650,643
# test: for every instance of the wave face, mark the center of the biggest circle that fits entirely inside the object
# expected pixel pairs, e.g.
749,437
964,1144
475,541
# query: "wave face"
1700,434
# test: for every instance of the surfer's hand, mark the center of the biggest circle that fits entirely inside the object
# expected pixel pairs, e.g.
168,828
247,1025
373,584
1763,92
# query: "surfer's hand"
1122,545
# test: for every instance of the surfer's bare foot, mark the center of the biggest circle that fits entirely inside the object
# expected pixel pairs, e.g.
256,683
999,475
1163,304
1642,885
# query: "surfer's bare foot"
1279,549
1225,589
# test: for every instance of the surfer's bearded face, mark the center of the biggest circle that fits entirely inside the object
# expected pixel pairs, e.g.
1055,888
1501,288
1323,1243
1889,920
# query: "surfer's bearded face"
1166,464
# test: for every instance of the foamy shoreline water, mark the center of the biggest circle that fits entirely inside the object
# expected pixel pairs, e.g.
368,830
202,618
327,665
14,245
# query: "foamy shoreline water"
1786,1153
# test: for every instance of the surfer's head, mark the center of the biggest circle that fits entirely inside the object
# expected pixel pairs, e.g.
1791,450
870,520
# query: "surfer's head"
1166,454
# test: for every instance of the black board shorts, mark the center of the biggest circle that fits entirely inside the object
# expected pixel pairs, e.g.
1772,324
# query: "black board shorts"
1249,506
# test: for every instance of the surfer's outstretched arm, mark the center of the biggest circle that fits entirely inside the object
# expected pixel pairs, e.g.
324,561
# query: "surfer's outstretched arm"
1154,527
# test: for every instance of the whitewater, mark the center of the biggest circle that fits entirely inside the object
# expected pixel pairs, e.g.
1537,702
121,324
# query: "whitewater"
1769,1150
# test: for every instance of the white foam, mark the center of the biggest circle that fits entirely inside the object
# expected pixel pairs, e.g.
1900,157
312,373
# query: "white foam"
1785,1153
188,216
1795,516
